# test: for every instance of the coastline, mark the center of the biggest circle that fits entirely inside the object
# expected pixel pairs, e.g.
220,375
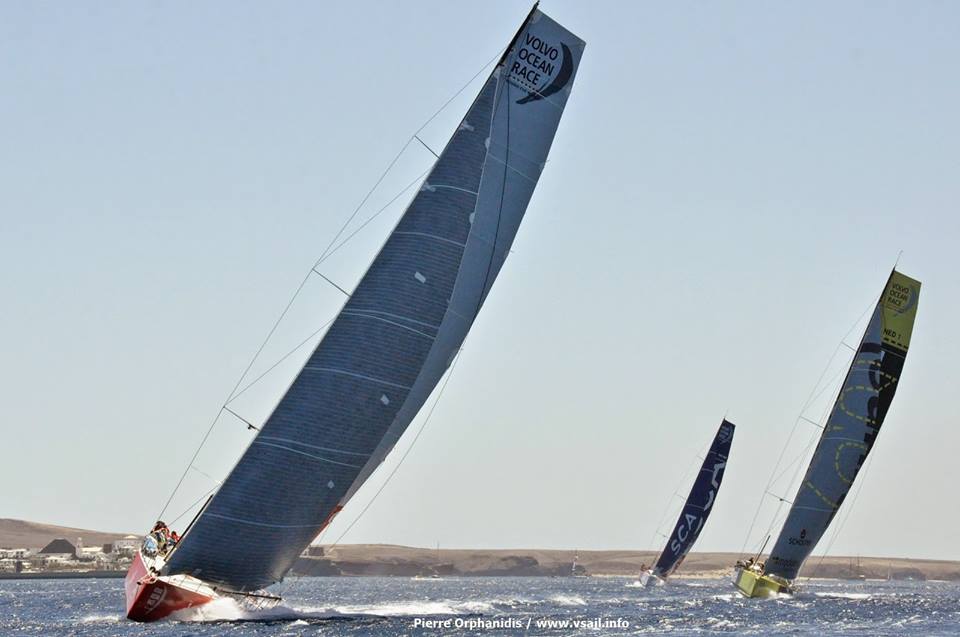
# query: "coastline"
380,560
64,575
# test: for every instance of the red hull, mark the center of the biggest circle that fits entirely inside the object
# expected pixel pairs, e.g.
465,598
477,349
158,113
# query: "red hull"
150,597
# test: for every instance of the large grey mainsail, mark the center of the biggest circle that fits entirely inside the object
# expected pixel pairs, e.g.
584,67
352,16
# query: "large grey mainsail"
399,331
852,427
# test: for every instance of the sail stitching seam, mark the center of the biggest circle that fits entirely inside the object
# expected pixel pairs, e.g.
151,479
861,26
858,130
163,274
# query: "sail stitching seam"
389,322
303,444
304,453
344,372
431,236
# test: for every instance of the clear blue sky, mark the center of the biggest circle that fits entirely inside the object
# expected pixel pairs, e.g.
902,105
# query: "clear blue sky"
727,192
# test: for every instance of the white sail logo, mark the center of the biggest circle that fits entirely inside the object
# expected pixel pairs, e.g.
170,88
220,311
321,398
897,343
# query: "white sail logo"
540,67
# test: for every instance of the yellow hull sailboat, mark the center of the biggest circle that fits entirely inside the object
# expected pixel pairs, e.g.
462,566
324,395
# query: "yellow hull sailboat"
848,436
752,582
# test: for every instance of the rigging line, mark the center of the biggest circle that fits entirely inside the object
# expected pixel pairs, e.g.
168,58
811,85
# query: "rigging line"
833,383
424,144
231,396
669,508
793,481
372,217
798,461
814,394
249,424
773,474
406,453
814,436
773,522
322,327
462,89
812,422
415,135
283,358
190,464
327,279
198,501
794,485
206,475
299,289
363,201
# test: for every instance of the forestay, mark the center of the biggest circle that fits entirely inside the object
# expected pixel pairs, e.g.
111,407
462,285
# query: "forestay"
399,331
852,427
699,503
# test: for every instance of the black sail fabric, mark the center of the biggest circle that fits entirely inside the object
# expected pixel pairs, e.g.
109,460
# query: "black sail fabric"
699,503
852,427
399,331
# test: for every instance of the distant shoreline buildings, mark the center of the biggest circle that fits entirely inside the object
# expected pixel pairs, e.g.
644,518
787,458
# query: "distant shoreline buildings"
62,555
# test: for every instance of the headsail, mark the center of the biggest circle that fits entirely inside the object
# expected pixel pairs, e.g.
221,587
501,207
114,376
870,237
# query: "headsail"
397,334
699,503
852,427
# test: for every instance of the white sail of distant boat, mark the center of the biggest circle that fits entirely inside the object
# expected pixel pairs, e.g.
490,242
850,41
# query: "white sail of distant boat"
847,438
576,569
435,573
387,349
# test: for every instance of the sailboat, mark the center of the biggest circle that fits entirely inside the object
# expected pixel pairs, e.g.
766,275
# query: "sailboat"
435,573
696,509
576,570
386,350
848,436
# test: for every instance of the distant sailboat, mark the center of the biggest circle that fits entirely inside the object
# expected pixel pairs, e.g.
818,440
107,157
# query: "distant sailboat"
576,570
696,509
387,349
847,438
435,573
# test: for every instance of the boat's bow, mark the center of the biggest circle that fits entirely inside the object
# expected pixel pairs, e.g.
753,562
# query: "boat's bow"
151,596
648,578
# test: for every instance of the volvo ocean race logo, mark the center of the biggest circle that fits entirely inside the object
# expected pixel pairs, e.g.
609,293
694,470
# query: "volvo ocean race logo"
540,67
901,298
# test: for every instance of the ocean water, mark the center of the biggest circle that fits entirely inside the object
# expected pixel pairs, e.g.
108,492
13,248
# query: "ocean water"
500,606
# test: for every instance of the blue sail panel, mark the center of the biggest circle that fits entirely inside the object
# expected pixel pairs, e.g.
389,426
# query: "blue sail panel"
394,338
699,503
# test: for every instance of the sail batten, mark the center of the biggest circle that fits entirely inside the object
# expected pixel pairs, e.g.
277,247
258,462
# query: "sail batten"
397,332
852,427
